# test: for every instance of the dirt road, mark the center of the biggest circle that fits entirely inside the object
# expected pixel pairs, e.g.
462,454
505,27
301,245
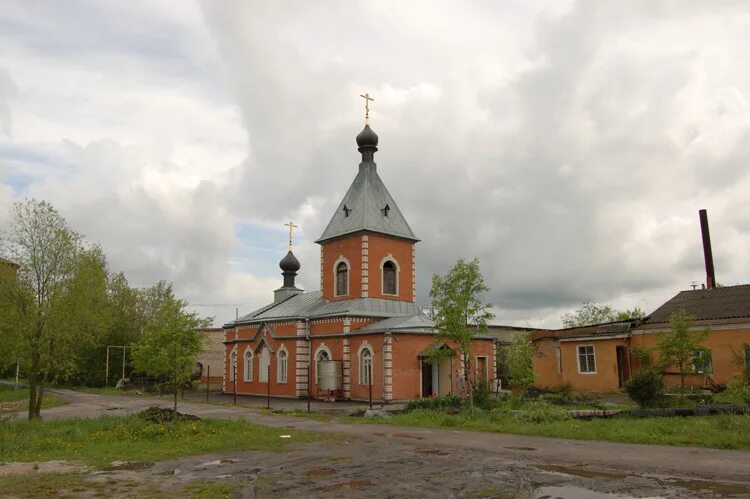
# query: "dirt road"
390,461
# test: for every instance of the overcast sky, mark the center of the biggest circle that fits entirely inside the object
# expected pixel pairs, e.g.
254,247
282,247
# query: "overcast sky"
567,145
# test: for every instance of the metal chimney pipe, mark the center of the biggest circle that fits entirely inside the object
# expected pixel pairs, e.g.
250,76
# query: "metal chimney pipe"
707,254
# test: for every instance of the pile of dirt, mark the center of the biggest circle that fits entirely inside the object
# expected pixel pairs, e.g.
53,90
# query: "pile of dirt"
159,415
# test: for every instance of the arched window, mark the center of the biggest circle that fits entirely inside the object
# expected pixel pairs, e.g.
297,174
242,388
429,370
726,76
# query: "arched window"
342,279
232,365
265,362
283,367
365,367
322,356
248,366
389,278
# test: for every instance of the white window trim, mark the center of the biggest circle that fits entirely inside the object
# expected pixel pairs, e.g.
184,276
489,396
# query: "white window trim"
389,258
279,380
261,373
578,358
365,346
342,259
248,373
321,348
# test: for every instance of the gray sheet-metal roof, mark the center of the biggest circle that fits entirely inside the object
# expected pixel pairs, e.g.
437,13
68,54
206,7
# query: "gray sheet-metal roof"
418,322
365,201
312,305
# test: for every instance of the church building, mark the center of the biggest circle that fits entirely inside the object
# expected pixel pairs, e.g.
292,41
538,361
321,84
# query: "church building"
362,332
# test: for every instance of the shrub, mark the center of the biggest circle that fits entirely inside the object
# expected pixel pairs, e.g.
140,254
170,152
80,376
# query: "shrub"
442,402
737,392
482,395
646,387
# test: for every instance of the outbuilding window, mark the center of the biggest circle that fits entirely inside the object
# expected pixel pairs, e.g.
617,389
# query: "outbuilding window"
747,357
342,279
586,359
703,362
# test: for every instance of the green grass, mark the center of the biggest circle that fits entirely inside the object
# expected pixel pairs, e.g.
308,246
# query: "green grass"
101,441
16,401
721,432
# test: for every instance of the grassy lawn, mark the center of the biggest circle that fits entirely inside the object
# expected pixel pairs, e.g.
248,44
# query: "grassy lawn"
101,441
12,401
79,484
721,432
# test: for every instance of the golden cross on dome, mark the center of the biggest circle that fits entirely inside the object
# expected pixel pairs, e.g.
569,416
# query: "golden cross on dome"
291,228
367,99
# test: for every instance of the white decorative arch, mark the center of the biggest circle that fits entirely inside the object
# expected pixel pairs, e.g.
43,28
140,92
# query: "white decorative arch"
282,364
389,258
247,366
342,259
321,348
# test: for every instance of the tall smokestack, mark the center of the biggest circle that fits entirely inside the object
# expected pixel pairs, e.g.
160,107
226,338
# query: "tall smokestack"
707,255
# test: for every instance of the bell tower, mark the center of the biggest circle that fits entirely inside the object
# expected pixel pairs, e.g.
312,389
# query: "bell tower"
367,249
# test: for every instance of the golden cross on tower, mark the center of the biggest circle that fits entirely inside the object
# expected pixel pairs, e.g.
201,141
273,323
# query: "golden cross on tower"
291,228
367,99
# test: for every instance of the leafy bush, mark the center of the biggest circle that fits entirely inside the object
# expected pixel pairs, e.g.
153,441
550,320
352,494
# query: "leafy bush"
442,402
541,412
737,392
646,387
482,396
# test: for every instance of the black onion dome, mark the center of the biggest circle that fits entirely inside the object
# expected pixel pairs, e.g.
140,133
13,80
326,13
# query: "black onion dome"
367,138
290,263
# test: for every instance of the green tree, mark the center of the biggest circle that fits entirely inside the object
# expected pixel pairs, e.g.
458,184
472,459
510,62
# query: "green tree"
520,360
40,240
171,340
632,313
458,310
592,313
679,346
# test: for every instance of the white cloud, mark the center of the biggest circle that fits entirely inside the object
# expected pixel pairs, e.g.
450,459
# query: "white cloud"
569,145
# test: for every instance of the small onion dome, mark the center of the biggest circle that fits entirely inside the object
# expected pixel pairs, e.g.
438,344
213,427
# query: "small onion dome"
367,138
289,263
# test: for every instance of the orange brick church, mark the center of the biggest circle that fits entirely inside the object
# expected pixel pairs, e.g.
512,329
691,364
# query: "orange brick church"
362,332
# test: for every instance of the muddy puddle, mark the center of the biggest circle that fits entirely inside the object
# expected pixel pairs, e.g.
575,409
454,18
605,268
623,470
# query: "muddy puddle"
570,492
